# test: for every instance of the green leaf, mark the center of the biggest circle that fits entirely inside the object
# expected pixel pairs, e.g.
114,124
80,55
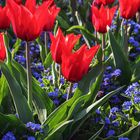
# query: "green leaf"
57,132
81,103
19,100
66,112
4,88
133,133
120,60
11,122
94,137
62,22
89,78
87,99
41,101
136,71
42,49
48,61
6,103
60,113
85,32
6,42
16,47
95,105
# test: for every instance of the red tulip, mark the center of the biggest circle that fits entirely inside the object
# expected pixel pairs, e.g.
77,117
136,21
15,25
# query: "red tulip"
97,3
4,20
57,45
28,20
76,65
59,42
18,1
128,8
101,18
2,48
104,2
51,16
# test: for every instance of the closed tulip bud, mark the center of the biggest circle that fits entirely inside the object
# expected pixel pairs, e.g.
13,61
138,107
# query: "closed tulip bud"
4,20
76,64
128,8
59,42
27,21
51,15
101,18
2,49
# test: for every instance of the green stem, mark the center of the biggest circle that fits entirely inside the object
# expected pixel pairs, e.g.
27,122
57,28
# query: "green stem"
103,47
59,75
126,39
69,91
46,42
138,17
54,74
96,37
29,75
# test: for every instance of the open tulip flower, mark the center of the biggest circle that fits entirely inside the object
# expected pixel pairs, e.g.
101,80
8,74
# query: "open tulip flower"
51,16
57,45
2,48
27,21
59,42
97,3
128,8
18,1
104,2
101,18
4,20
76,64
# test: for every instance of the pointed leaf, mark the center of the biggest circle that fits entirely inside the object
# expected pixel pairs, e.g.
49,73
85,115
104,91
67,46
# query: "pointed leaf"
48,61
42,102
96,104
120,60
19,100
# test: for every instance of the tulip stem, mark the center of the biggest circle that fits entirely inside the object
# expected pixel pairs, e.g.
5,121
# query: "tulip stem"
138,17
69,91
46,42
96,37
103,47
126,39
29,75
59,75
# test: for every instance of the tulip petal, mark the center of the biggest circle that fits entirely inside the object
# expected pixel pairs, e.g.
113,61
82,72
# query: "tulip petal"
2,48
31,5
14,14
4,20
101,18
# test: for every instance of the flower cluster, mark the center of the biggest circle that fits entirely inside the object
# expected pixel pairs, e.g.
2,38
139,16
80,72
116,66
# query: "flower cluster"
34,127
134,40
74,65
9,136
31,14
110,82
